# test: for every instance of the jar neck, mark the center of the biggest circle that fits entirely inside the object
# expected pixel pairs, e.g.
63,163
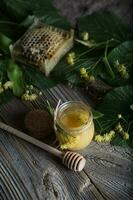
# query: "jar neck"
74,130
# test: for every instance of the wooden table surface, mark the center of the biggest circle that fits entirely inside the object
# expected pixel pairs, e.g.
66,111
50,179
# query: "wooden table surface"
29,173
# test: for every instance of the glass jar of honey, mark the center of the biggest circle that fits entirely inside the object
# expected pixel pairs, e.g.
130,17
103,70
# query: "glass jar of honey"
74,125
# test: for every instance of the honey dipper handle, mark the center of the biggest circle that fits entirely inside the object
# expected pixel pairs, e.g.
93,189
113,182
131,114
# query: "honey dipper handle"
31,140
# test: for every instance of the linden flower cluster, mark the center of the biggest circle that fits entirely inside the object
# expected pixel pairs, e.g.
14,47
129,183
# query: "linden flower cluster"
7,85
29,95
86,38
121,68
84,74
68,141
82,118
121,131
71,58
108,137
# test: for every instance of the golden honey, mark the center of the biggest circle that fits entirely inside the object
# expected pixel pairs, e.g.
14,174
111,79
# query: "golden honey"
74,125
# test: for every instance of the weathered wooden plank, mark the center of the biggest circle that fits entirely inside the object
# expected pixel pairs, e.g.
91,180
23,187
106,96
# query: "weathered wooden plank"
39,175
35,165
111,170
24,155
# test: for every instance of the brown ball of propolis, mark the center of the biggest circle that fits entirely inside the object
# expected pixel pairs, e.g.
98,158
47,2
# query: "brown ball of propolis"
39,123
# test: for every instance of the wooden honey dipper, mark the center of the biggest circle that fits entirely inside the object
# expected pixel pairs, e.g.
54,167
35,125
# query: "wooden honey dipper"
72,160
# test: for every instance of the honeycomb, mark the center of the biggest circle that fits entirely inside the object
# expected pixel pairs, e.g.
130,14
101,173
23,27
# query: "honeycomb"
40,43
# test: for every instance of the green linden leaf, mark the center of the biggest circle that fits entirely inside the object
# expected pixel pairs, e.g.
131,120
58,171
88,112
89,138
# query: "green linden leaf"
28,10
122,53
97,114
67,73
4,43
18,10
116,102
11,30
22,14
28,21
15,75
103,26
37,78
15,10
49,17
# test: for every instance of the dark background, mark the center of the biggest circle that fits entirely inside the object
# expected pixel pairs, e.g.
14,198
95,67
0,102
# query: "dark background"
74,8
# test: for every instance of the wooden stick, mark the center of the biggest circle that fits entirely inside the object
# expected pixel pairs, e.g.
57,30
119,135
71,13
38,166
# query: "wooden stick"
31,140
72,160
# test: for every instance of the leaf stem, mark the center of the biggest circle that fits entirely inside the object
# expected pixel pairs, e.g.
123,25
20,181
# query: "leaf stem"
106,62
50,109
96,64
